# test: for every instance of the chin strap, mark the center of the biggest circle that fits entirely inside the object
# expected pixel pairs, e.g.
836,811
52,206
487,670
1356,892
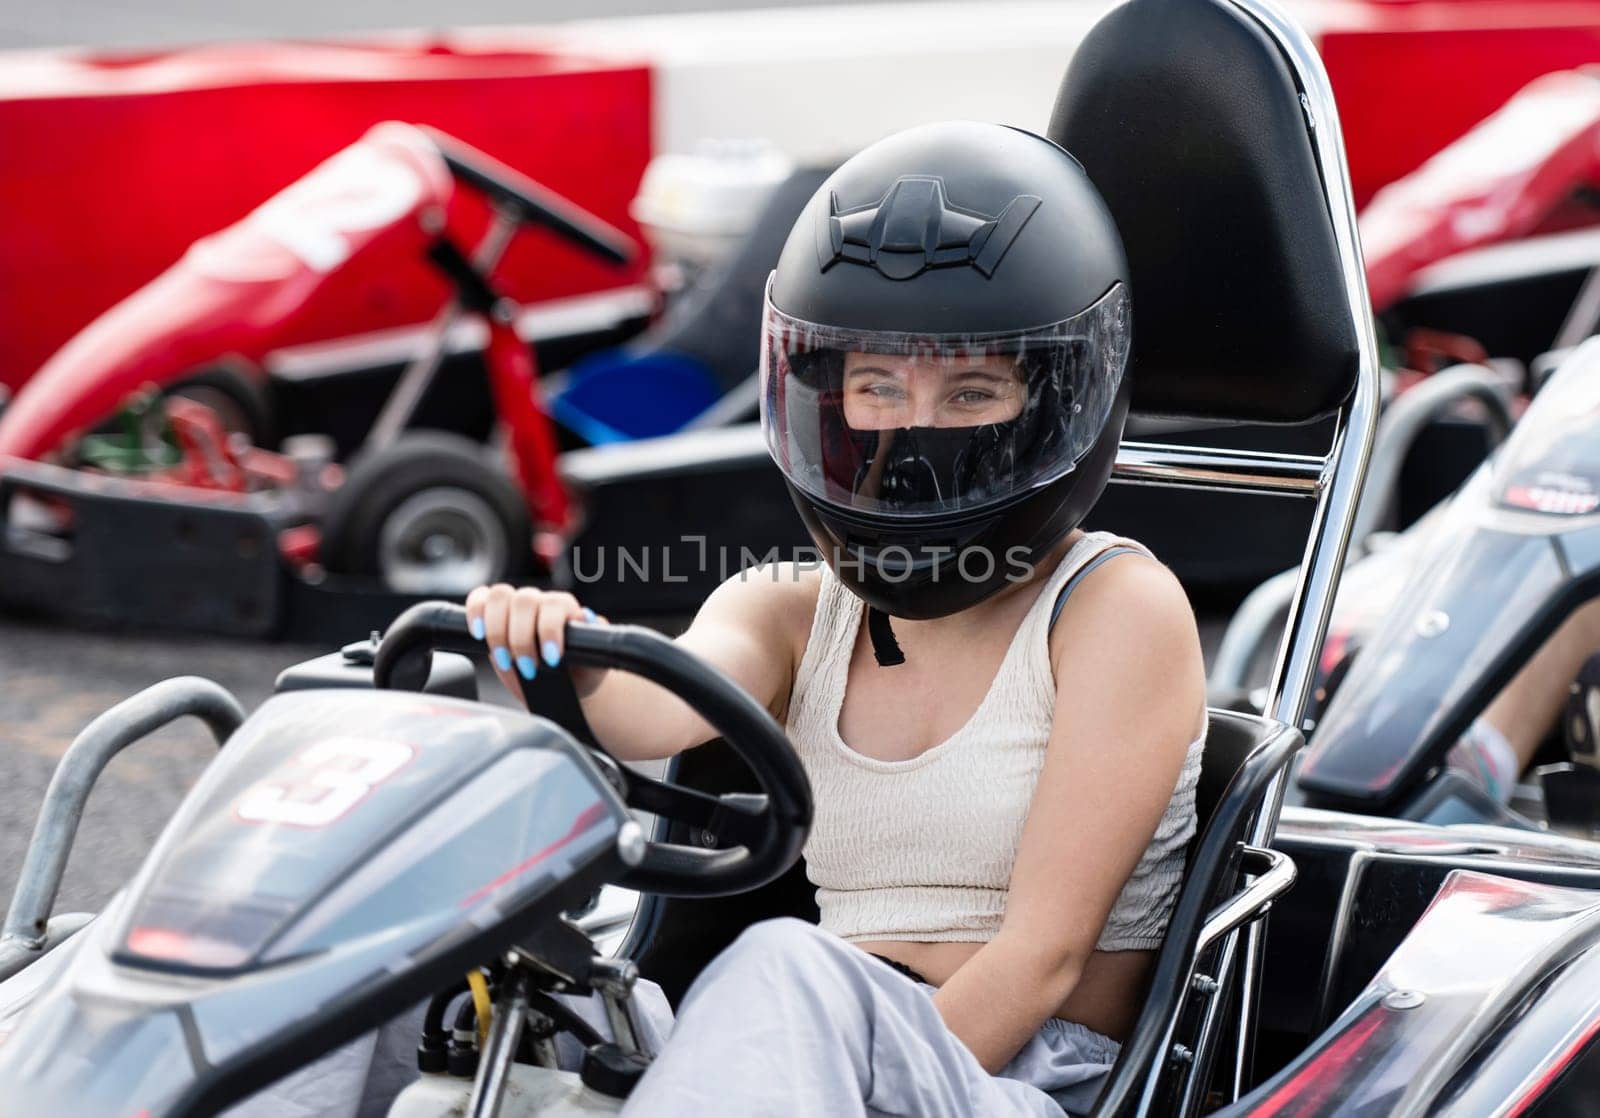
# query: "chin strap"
885,649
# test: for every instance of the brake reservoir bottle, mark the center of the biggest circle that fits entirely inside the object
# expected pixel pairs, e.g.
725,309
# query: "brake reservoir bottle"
531,1092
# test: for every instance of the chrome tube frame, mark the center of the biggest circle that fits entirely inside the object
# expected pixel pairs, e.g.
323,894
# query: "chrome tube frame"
1403,421
1195,1089
1337,485
1346,469
1272,872
417,377
1346,463
1199,467
500,1049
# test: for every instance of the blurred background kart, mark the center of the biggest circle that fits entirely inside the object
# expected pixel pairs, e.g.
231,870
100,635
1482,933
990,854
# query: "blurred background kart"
183,359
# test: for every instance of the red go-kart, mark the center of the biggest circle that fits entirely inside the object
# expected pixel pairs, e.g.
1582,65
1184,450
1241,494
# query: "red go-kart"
150,429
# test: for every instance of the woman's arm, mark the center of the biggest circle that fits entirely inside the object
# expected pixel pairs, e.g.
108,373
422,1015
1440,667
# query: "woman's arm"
1130,696
746,627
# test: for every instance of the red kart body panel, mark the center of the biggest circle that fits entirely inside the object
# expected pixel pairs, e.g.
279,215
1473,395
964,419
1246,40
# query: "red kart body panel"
239,293
1506,178
120,161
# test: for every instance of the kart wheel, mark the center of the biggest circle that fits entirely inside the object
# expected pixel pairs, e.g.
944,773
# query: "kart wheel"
239,399
429,515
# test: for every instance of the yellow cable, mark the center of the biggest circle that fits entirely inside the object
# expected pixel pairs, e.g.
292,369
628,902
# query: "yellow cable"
480,1002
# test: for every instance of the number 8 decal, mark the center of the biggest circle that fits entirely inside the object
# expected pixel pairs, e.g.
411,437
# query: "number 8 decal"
328,779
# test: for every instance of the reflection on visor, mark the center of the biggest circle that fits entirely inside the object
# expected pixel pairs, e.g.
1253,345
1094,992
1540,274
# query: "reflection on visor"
915,424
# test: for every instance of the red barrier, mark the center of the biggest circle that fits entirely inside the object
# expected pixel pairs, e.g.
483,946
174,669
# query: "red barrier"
1410,77
115,164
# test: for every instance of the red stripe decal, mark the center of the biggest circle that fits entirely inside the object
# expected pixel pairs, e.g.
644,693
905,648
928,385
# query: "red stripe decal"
1553,1072
590,816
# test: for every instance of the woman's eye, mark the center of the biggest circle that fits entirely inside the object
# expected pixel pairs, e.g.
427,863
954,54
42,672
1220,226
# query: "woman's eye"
884,392
973,396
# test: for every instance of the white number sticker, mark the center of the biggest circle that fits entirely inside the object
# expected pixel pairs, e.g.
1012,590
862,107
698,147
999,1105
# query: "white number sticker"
323,782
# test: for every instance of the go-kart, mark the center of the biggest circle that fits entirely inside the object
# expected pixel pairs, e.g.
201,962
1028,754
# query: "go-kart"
379,845
1414,967
1538,485
1487,579
1442,618
1496,234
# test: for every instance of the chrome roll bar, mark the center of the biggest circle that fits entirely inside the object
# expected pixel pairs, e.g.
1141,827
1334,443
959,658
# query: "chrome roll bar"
28,930
1238,471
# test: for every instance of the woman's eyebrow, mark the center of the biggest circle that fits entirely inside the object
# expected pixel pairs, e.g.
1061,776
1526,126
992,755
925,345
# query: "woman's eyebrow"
984,374
874,370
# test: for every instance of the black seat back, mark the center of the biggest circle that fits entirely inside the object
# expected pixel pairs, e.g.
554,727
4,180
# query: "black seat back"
1230,739
1190,122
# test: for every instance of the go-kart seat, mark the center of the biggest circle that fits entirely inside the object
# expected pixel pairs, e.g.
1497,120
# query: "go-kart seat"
1210,132
673,939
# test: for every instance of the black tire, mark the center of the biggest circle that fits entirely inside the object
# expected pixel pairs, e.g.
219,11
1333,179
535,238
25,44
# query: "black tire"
438,483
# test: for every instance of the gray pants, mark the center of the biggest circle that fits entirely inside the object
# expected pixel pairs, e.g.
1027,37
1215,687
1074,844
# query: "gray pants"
791,1020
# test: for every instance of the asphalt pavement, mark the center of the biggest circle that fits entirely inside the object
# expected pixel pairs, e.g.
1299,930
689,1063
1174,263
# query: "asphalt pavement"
53,681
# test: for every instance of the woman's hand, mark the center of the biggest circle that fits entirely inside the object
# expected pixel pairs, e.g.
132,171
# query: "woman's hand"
525,630
752,629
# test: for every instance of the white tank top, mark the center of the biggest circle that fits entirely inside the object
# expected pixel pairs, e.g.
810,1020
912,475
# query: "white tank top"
922,849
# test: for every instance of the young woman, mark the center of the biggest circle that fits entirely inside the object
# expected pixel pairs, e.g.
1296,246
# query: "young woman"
1001,716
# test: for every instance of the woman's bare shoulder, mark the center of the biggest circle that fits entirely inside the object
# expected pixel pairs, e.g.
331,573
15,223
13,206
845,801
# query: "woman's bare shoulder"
1133,611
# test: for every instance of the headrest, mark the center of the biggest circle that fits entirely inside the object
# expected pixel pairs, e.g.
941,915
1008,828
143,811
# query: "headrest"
1189,120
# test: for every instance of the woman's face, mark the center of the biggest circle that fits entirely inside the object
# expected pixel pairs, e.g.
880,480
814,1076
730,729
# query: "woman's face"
883,391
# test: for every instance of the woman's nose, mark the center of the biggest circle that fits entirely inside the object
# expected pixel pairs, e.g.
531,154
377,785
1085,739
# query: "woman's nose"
924,409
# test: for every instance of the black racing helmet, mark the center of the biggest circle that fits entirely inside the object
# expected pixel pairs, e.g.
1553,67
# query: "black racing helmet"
942,364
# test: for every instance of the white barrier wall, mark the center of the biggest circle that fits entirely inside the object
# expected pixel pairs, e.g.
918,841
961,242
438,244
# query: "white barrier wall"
823,82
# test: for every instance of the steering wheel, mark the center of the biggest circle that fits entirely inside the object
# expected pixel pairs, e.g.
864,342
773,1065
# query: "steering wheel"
532,203
765,830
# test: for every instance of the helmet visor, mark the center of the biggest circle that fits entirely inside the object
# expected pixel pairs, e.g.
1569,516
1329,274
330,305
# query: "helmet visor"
909,425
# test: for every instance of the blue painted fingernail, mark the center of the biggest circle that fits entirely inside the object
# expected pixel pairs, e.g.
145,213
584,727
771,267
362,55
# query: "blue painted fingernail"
588,615
552,653
475,627
502,659
527,667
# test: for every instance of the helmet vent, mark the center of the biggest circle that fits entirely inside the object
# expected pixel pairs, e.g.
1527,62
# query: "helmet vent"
913,228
